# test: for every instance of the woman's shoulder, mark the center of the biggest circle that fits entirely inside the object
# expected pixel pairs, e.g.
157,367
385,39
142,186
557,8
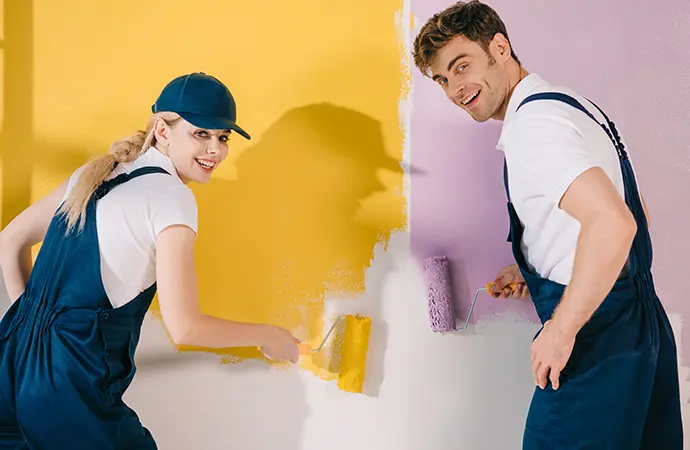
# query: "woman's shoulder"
175,204
72,181
175,192
161,192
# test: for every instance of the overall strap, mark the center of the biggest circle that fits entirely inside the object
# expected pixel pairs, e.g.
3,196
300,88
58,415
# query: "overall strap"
505,183
108,185
616,138
610,130
505,178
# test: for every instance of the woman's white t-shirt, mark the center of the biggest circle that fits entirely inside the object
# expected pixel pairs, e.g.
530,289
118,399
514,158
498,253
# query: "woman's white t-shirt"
130,218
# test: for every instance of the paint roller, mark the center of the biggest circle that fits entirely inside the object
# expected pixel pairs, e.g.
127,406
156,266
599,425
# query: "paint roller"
440,300
353,352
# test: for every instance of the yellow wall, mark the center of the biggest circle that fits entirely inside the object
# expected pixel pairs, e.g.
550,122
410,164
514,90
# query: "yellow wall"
293,212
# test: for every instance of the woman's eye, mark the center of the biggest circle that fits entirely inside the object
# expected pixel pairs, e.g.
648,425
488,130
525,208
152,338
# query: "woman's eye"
224,139
201,133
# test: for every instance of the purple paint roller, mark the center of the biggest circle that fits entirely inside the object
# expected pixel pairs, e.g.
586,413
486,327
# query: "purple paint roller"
440,296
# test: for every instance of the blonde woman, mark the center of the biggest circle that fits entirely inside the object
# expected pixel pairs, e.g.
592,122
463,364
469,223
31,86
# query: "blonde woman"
122,227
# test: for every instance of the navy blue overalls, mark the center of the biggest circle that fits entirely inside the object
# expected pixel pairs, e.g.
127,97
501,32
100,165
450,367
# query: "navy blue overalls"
66,355
620,388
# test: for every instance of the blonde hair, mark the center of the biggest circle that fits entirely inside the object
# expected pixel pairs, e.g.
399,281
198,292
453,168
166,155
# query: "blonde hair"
98,170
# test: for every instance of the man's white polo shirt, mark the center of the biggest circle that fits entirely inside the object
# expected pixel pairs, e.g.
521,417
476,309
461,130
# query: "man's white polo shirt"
547,145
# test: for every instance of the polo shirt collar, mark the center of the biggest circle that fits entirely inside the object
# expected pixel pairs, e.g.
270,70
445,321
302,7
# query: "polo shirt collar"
154,157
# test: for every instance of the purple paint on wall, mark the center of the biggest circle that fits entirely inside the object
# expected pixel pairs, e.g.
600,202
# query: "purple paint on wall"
628,56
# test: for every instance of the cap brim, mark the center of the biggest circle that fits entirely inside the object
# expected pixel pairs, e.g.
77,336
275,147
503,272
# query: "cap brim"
213,123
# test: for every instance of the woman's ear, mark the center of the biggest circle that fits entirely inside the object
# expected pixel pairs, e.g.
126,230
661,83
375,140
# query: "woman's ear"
161,131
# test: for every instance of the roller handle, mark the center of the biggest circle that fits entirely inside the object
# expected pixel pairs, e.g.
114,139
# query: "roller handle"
307,349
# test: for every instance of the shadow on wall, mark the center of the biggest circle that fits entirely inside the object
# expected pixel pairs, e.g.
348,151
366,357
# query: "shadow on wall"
292,227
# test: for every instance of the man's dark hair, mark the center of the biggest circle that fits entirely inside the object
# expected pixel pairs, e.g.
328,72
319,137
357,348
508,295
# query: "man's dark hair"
474,20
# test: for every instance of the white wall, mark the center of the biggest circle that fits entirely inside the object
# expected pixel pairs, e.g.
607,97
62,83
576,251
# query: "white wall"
465,391
430,392
427,391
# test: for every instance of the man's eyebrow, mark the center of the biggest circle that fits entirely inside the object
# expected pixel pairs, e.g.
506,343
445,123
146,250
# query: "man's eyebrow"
452,61
450,64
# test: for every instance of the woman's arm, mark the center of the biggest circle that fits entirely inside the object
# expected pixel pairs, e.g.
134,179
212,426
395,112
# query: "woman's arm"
178,298
26,230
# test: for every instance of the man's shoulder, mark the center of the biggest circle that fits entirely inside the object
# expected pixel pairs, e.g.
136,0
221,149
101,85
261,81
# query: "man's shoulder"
546,119
554,115
543,108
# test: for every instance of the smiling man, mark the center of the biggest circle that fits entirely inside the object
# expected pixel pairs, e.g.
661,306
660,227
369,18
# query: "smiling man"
604,360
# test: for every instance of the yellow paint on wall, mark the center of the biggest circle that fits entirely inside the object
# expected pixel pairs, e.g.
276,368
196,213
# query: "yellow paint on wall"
294,213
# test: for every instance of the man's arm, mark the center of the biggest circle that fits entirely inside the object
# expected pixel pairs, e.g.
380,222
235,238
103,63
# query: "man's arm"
549,158
607,231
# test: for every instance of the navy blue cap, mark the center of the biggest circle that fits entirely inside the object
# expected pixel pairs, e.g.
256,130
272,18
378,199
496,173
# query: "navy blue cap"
201,100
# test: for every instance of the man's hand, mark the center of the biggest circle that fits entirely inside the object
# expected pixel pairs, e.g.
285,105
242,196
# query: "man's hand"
508,275
551,351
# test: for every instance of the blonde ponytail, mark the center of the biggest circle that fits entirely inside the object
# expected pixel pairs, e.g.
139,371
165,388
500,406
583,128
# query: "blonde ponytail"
99,169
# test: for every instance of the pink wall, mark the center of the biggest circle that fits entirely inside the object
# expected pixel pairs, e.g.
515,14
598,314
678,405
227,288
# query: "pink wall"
632,58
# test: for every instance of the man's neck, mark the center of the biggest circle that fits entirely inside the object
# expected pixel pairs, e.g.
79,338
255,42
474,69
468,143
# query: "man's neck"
514,79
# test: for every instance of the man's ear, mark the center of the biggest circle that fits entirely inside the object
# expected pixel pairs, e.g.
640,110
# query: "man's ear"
500,48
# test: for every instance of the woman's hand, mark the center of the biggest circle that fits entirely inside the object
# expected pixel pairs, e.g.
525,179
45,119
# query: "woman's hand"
280,345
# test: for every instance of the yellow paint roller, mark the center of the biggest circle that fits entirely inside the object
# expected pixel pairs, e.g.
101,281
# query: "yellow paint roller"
353,355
